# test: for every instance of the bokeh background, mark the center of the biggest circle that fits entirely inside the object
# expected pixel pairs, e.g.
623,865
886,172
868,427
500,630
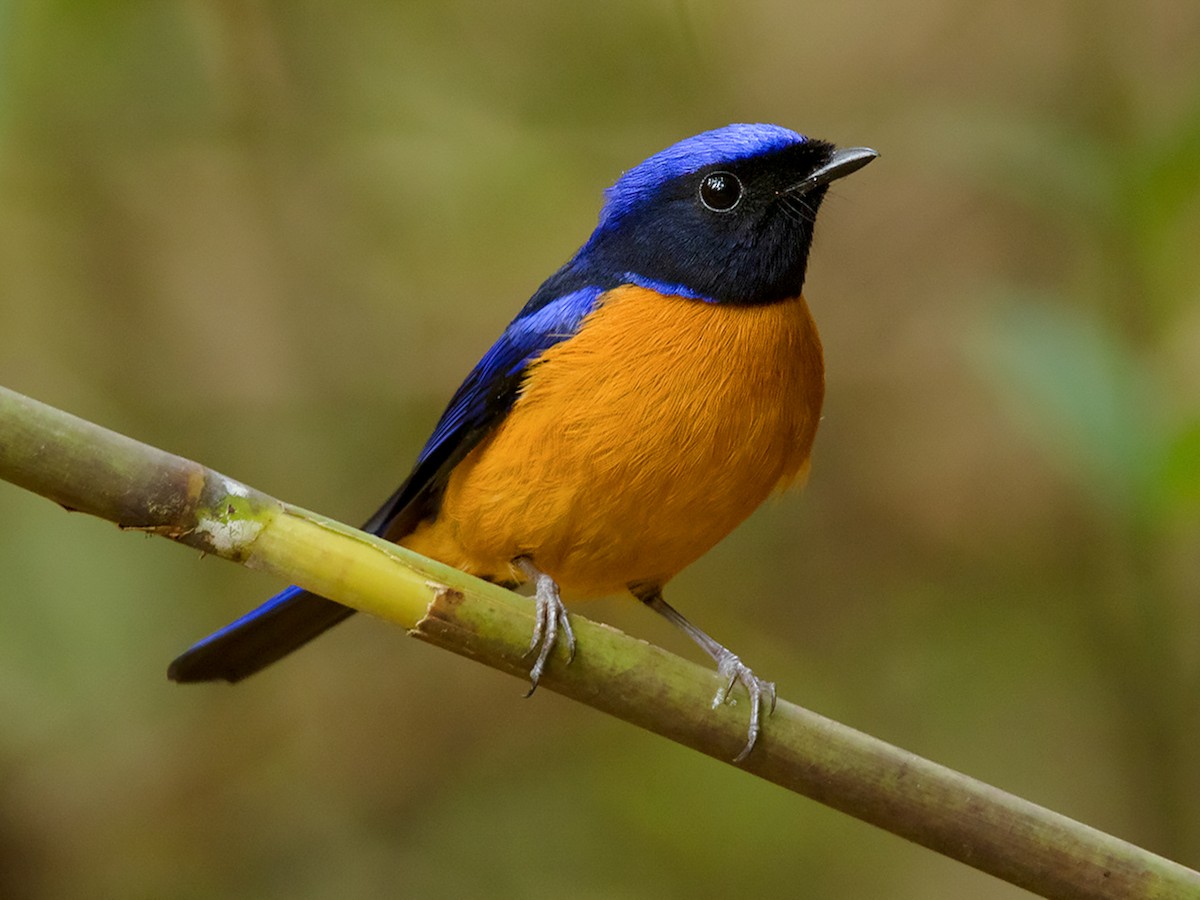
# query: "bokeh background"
274,236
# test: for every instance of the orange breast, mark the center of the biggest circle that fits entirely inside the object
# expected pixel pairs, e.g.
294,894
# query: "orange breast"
637,444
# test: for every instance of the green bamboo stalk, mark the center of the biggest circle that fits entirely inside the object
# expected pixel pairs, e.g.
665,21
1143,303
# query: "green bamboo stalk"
88,468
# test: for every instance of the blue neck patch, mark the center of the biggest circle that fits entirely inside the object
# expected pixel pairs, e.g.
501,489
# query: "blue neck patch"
664,287
721,145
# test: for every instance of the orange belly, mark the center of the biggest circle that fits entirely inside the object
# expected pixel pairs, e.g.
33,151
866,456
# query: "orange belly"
637,444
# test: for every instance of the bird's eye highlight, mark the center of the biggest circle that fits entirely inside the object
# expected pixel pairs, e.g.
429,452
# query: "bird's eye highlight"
720,191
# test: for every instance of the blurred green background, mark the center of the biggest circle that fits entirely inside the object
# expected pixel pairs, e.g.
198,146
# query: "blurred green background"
273,237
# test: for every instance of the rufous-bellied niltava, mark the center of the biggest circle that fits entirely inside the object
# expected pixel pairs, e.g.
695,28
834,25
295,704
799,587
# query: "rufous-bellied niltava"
648,397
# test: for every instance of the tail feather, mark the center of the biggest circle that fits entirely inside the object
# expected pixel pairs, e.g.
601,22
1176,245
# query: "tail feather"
293,617
286,622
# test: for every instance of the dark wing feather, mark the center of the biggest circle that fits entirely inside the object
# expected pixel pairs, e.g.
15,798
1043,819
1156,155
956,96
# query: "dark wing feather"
294,617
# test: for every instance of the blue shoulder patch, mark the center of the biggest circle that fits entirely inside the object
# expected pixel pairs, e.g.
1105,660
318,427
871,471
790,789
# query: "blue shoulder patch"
481,397
481,402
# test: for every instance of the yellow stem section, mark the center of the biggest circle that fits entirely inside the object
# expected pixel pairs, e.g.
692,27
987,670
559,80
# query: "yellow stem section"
350,567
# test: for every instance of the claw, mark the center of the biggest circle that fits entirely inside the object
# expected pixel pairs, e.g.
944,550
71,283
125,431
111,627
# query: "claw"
550,619
732,670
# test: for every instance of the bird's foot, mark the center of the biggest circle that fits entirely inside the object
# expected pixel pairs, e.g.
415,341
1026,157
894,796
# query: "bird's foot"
731,670
550,620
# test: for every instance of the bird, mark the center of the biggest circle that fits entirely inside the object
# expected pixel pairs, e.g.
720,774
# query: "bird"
646,399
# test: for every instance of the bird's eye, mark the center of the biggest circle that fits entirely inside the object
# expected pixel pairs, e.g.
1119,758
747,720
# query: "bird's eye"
720,191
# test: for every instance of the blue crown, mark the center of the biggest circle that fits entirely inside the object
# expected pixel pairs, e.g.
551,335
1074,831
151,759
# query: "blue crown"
728,144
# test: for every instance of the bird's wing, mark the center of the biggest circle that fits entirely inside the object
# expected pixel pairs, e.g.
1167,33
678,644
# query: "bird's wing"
480,403
293,617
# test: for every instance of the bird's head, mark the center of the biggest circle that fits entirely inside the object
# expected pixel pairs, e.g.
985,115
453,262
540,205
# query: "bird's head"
726,216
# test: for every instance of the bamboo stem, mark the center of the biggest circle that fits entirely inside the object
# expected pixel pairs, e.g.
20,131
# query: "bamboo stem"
88,468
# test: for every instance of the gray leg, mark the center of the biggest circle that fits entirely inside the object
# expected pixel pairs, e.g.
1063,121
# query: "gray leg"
730,668
551,615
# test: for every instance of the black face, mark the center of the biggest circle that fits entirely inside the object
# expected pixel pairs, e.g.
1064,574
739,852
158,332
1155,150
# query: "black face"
731,232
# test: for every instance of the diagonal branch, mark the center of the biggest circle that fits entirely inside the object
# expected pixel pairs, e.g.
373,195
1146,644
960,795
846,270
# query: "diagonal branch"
88,468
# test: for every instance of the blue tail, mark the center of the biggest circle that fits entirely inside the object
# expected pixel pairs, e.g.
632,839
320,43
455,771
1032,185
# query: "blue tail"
284,623
293,617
